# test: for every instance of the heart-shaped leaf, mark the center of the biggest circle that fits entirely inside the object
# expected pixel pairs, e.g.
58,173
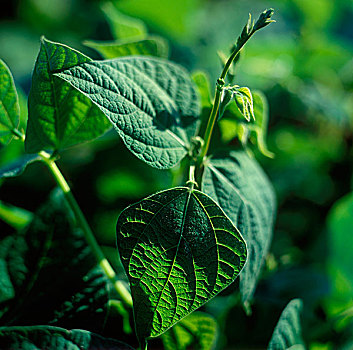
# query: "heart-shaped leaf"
54,338
9,105
151,102
238,184
179,250
58,115
288,334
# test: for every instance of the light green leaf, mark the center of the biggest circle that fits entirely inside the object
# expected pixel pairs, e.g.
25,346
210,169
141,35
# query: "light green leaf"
239,185
244,101
232,125
197,331
123,26
150,46
340,255
58,115
9,106
151,102
202,82
287,334
179,250
54,338
16,217
18,166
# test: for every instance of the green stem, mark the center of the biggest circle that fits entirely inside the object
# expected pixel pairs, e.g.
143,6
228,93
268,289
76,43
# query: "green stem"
82,222
217,99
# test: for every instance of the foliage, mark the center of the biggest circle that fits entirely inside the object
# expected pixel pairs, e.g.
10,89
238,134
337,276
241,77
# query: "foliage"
205,209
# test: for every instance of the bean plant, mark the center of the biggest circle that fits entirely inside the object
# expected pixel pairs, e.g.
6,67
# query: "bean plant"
179,247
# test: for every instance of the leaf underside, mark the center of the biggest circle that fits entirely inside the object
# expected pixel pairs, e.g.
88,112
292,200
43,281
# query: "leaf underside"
54,338
151,102
238,184
58,115
178,250
9,105
287,333
197,331
19,165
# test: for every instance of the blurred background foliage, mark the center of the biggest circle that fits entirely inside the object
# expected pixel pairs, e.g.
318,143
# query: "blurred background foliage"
303,64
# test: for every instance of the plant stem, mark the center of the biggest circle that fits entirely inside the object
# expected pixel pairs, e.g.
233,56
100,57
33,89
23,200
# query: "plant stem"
82,222
217,99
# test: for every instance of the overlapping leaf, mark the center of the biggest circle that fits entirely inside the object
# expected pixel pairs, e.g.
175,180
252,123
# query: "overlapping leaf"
149,46
287,334
179,250
197,331
54,338
151,102
238,184
31,262
9,105
58,115
19,165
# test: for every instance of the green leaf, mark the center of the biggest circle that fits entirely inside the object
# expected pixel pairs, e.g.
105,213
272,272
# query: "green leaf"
33,261
239,185
58,115
179,250
54,338
16,217
287,334
151,46
151,102
202,82
18,166
255,131
197,331
9,105
123,26
244,101
339,255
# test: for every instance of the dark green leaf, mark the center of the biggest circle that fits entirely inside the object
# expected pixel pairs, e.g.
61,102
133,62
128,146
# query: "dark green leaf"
287,334
18,166
264,19
150,46
123,26
179,250
151,102
34,260
197,331
238,184
58,115
9,106
54,338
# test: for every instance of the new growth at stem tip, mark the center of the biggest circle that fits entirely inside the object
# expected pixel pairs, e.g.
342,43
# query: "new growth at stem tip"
249,29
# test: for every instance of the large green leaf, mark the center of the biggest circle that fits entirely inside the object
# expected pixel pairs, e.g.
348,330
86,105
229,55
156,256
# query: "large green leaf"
287,334
19,165
54,338
238,184
32,261
151,102
9,106
58,115
149,46
197,331
179,250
